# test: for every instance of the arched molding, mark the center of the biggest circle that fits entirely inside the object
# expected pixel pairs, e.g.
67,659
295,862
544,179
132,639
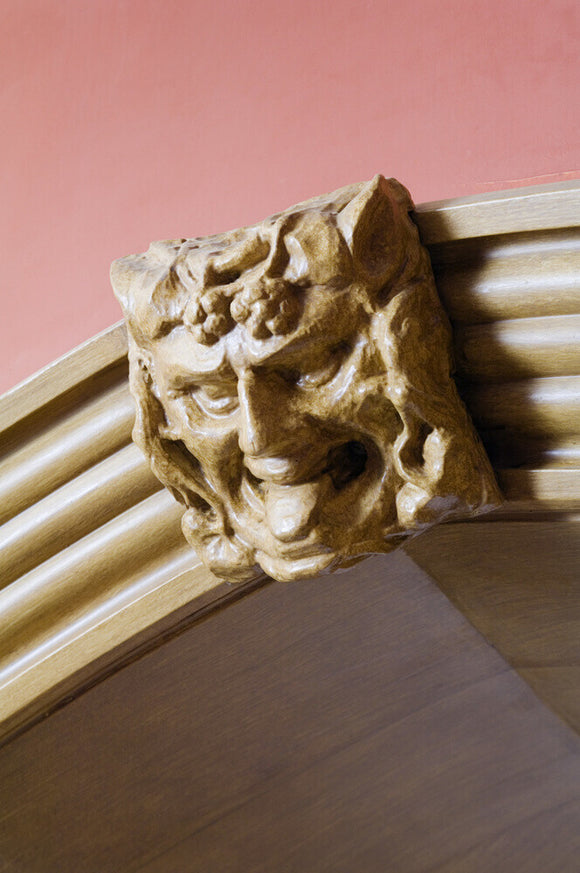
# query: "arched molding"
92,561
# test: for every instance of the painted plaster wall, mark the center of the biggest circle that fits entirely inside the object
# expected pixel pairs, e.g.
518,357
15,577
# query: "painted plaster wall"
131,120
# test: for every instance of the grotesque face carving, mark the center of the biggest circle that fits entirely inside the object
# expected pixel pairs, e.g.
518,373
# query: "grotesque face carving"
293,386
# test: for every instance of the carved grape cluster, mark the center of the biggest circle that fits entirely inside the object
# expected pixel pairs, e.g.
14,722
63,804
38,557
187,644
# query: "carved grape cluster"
208,316
266,307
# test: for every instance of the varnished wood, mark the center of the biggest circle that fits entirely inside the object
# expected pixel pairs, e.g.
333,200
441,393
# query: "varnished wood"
495,278
540,489
517,582
43,388
514,300
112,583
70,512
533,208
293,386
504,276
539,406
520,348
85,435
359,723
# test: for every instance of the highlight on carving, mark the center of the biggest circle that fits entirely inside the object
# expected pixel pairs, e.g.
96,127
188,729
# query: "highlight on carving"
293,386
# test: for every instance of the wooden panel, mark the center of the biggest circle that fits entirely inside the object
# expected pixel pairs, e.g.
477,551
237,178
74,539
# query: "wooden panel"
543,407
359,723
518,583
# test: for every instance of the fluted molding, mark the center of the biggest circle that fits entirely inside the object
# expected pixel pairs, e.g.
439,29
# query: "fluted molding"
91,551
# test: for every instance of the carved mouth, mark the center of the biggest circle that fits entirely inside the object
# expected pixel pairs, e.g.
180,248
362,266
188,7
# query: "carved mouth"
291,509
345,463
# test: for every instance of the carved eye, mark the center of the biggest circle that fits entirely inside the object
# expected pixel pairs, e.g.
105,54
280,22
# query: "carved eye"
289,375
226,277
326,370
217,398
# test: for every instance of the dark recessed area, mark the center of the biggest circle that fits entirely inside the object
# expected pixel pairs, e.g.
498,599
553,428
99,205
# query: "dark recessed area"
346,463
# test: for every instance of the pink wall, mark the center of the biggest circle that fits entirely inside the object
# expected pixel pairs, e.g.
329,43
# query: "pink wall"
131,120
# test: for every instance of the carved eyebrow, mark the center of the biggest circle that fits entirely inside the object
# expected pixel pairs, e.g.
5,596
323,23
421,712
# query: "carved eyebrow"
188,378
297,352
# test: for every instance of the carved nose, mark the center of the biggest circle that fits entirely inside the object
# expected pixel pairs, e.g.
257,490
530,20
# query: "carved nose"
257,411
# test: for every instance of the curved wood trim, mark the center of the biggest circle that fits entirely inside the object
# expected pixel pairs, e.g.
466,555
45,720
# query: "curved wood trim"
95,355
534,208
91,556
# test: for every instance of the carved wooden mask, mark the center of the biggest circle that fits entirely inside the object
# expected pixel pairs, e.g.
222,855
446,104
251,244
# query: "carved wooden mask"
293,386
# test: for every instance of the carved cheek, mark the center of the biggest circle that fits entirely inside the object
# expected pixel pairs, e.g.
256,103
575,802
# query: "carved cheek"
368,415
377,413
210,440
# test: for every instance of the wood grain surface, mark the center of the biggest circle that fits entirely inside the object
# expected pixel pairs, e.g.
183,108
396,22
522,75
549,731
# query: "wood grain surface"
355,723
531,208
91,551
513,300
519,584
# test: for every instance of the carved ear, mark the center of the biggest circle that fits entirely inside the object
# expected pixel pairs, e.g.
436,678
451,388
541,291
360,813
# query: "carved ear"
151,293
122,277
130,277
371,226
317,252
